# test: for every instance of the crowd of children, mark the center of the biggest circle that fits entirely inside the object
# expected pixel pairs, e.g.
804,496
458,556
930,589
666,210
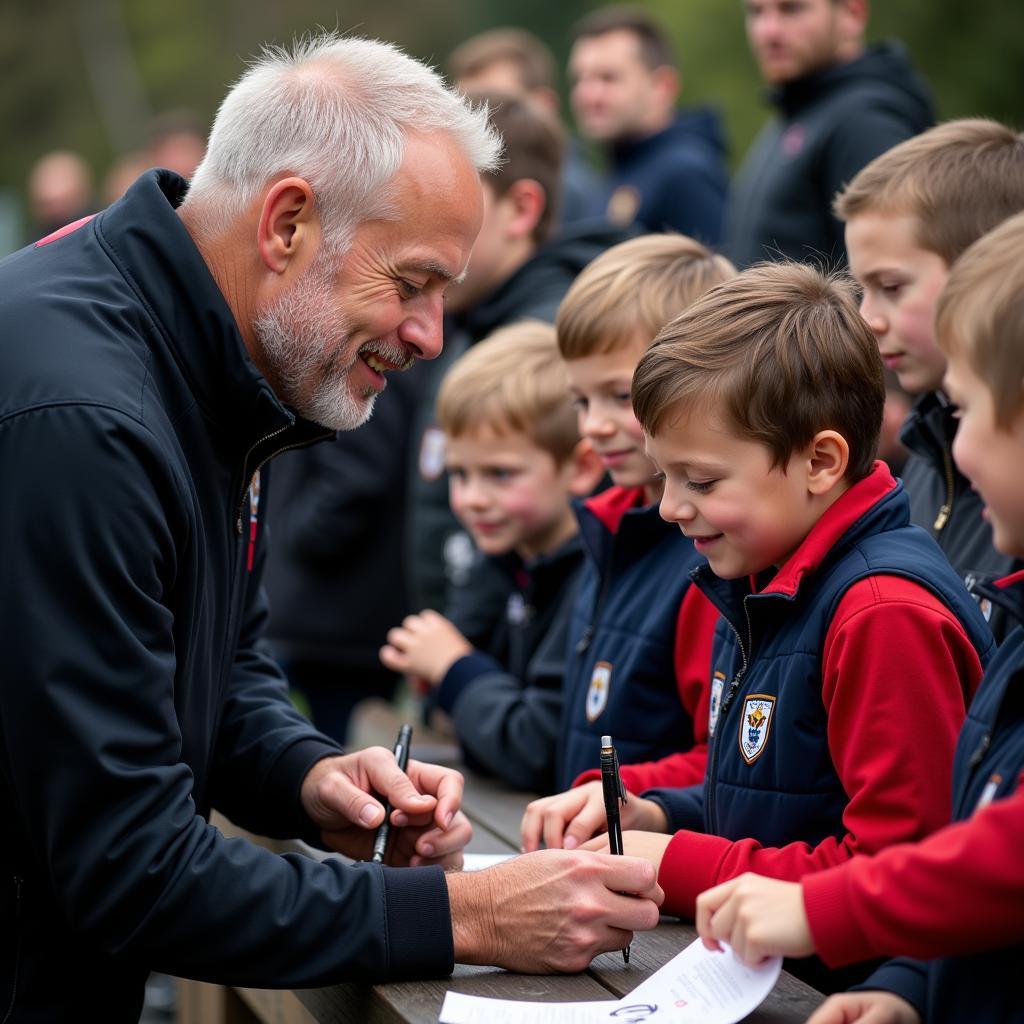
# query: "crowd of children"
795,651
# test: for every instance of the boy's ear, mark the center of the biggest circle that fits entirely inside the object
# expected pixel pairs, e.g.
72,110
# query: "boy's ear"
828,456
585,470
526,201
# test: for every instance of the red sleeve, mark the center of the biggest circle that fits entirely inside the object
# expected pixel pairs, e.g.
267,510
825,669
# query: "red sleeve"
695,633
960,890
896,666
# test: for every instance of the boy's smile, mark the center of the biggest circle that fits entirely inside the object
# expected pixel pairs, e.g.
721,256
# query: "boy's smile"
742,513
901,282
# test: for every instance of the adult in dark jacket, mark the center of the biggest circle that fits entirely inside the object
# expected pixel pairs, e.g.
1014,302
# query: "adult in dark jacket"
838,105
666,169
152,360
520,270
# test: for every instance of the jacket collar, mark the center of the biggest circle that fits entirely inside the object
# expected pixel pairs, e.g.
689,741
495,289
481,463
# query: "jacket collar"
1007,592
154,252
613,503
930,427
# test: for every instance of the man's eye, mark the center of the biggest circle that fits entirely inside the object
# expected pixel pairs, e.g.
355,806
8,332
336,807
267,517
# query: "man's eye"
408,289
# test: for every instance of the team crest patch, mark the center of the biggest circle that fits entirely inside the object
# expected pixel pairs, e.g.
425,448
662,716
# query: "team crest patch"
623,205
432,453
755,725
715,704
600,686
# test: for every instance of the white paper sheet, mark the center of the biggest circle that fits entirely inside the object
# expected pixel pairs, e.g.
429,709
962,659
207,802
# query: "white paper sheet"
696,987
479,861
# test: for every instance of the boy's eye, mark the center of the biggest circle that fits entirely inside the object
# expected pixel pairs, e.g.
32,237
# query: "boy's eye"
455,473
623,397
580,404
700,486
408,289
892,290
500,473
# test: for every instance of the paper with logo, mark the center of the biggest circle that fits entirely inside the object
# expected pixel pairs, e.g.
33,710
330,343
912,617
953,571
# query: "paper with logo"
696,987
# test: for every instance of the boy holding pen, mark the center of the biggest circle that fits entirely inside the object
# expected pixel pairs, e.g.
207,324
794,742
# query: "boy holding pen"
956,898
515,460
847,647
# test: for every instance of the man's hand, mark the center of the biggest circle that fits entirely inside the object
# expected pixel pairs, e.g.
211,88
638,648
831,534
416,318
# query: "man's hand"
566,820
340,795
650,846
759,917
865,1008
424,645
551,911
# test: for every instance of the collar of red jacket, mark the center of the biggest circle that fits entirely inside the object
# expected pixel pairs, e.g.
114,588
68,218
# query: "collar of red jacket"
612,504
826,532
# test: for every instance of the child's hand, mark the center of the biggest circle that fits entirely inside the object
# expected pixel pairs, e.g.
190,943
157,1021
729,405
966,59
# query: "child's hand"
650,846
567,819
424,645
758,917
865,1008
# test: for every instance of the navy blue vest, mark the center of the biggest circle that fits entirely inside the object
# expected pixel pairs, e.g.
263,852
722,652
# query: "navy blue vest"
770,775
620,672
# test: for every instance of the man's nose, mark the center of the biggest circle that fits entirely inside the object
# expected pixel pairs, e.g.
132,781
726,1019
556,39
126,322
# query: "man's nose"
423,330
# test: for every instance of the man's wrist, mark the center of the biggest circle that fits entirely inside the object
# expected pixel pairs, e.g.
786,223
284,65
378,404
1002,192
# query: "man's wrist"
471,898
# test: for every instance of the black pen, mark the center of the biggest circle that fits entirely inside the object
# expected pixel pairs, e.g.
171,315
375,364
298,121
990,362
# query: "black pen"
614,792
380,841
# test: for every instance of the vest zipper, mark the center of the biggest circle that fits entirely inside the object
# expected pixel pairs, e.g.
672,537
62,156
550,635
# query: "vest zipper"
723,708
946,510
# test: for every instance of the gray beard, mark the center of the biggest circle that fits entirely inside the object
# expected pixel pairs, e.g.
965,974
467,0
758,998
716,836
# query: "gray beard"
301,338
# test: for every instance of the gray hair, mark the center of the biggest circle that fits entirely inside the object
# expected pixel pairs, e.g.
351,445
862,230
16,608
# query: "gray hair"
334,111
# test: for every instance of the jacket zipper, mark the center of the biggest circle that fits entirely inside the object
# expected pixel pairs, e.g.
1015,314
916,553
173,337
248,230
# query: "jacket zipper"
18,881
946,510
723,709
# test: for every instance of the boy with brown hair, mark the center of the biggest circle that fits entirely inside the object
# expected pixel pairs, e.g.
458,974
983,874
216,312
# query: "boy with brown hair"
514,459
638,660
909,214
953,899
840,623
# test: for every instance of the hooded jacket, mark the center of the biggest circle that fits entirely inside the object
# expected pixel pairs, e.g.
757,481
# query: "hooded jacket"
674,180
943,502
135,694
961,890
827,126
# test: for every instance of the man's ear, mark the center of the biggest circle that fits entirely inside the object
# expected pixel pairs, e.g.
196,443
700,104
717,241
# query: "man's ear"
526,201
667,84
585,468
289,225
828,457
853,21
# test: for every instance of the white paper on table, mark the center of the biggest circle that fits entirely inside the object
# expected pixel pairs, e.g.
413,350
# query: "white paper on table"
479,861
696,987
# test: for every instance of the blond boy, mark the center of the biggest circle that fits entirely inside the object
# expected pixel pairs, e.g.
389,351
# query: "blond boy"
514,459
955,898
909,214
640,647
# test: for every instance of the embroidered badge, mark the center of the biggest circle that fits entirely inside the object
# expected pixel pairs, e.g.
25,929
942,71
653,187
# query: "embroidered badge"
623,205
715,705
600,686
793,140
988,794
432,453
755,725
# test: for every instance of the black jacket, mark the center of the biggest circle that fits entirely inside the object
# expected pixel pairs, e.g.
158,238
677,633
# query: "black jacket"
828,125
134,693
674,180
441,554
506,699
943,502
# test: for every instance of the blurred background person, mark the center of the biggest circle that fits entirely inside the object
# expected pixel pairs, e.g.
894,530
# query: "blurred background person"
838,104
59,192
666,167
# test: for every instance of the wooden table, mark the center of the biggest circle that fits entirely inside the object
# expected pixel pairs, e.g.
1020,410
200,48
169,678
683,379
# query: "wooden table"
495,812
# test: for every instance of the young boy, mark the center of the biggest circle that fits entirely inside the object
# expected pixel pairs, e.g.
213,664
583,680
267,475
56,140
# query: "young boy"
957,897
632,670
514,460
909,214
847,647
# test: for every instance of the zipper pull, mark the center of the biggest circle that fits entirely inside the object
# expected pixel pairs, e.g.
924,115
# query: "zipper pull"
979,755
584,641
942,518
238,524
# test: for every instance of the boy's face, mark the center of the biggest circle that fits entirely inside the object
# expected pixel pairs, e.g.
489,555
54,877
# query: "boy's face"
989,456
722,491
901,282
510,494
600,387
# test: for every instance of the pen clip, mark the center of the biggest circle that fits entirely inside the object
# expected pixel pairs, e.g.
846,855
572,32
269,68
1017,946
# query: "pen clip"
623,796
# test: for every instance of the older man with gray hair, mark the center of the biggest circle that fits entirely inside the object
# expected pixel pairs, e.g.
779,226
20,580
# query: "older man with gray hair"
153,359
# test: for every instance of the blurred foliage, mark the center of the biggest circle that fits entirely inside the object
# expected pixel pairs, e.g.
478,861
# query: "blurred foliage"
87,74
